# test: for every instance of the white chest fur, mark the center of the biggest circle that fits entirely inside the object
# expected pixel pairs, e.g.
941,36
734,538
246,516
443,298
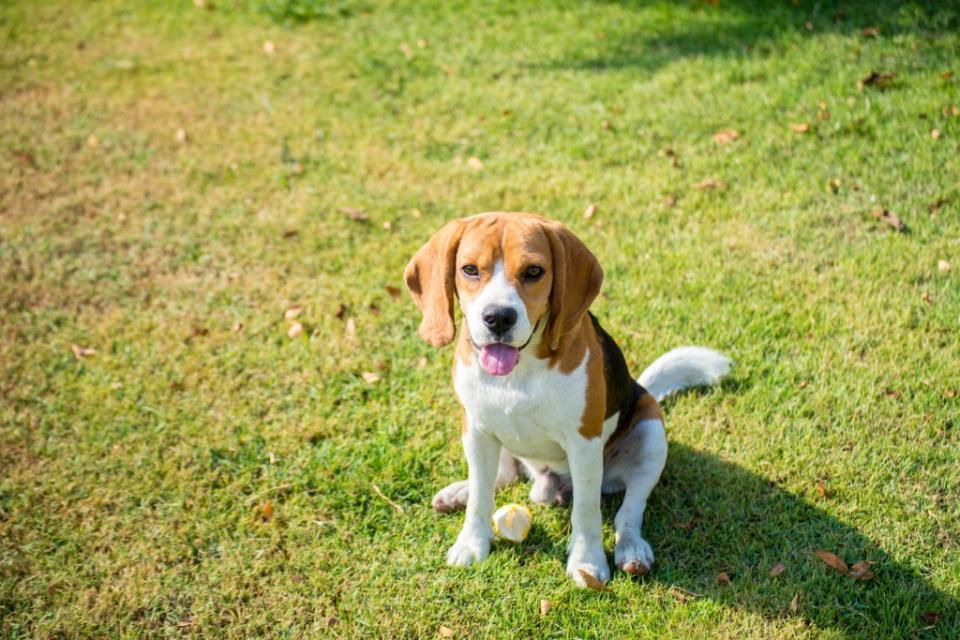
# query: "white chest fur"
535,412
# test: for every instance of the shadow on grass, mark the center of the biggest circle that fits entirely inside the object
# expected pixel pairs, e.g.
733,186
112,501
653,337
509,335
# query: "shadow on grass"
710,516
744,27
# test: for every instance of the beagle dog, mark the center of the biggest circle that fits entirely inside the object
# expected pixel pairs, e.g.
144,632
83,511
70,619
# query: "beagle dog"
545,391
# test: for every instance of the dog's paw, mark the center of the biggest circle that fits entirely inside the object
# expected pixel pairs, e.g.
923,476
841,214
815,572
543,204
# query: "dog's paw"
468,550
451,498
589,559
633,555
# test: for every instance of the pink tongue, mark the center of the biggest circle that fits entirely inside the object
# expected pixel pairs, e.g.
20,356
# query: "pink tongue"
499,359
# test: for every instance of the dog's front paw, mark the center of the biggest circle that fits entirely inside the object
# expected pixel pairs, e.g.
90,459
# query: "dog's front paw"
467,550
590,559
451,497
633,554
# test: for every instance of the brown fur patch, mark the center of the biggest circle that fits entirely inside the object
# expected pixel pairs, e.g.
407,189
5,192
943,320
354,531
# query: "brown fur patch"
591,423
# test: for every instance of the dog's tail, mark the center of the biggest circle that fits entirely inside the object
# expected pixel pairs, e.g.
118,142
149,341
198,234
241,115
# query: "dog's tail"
682,368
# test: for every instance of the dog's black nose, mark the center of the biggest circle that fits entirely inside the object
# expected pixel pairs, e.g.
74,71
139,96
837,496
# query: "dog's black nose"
500,319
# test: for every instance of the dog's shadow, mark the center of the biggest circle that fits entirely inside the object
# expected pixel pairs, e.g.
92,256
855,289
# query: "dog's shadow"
710,517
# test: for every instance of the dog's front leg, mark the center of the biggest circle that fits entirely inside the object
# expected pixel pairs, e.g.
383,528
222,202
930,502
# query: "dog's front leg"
585,458
473,543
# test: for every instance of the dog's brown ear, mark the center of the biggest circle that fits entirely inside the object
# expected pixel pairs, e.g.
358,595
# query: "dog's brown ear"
430,278
577,277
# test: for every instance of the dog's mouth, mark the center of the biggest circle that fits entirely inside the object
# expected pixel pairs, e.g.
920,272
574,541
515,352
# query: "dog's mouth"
499,358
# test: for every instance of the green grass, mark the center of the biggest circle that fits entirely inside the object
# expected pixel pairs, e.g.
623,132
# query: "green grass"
133,483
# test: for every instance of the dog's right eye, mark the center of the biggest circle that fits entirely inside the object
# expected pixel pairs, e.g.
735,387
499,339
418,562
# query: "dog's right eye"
470,270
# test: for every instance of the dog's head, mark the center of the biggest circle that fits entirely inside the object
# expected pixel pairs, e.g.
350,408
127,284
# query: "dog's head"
514,274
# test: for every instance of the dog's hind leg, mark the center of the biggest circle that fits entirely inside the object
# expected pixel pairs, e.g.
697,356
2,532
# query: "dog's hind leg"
454,496
635,464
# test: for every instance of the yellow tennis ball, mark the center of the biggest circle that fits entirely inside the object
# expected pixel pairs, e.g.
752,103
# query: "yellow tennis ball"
512,522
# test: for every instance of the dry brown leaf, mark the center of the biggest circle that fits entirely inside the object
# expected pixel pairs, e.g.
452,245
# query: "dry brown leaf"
877,79
445,632
832,560
341,310
861,570
930,617
777,569
682,595
290,233
936,206
795,603
81,353
351,327
950,393
374,309
92,141
726,136
394,292
592,582
295,330
870,32
823,115
186,622
935,134
545,606
333,621
711,183
268,47
589,211
267,510
388,224
927,297
686,525
800,127
292,312
946,75
238,327
723,578
822,489
357,215
181,135
475,163
891,219
670,200
943,266
370,377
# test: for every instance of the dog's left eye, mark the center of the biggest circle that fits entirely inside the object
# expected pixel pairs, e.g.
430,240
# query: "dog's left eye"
532,273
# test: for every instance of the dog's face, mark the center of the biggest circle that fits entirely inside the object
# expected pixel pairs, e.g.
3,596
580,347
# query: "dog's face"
513,273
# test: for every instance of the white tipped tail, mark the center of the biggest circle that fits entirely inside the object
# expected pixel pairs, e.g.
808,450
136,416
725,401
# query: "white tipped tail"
682,368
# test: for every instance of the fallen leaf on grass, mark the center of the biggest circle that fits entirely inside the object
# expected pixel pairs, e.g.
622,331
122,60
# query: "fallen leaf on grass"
670,200
711,183
891,219
421,362
406,50
592,582
388,224
833,561
81,353
475,163
870,32
950,393
92,141
723,578
394,291
861,570
445,632
589,211
683,596
726,136
927,297
333,621
351,327
880,80
25,158
357,215
605,125
341,310
267,510
181,135
946,75
930,617
268,47
935,134
777,569
795,603
936,206
370,377
292,312
290,233
822,490
186,622
545,606
686,525
800,127
374,309
295,330
415,214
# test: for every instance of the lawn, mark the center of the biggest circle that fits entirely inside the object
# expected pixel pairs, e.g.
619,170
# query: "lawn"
178,457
